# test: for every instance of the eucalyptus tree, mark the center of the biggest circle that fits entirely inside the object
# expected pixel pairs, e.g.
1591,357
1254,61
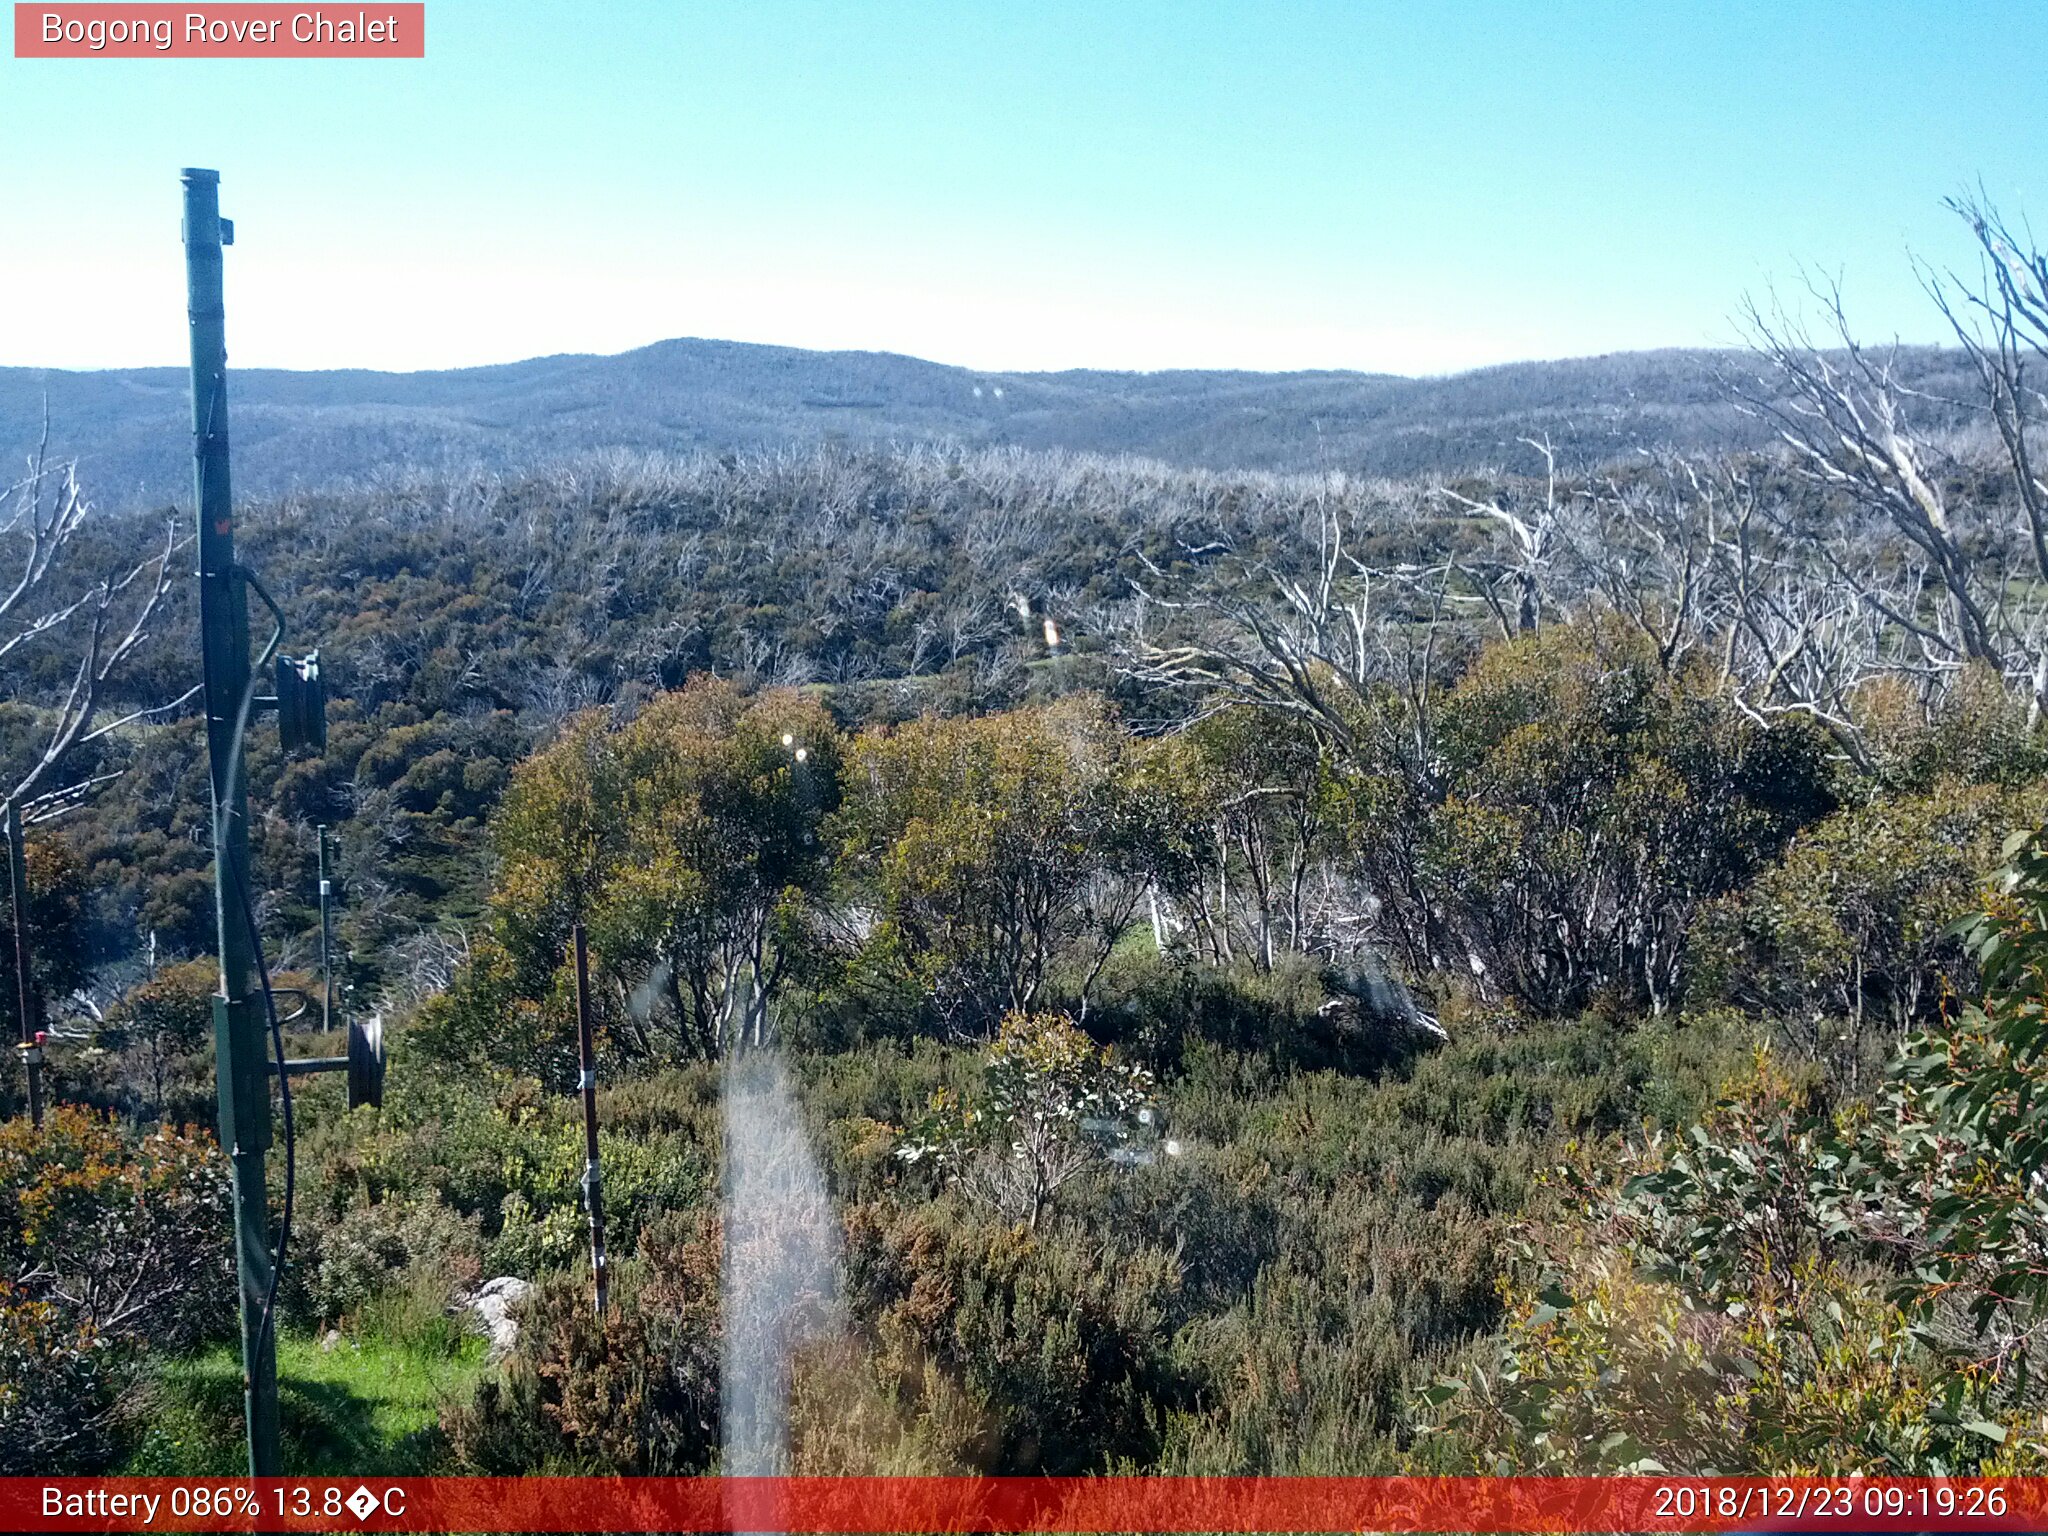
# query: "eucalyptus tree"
1000,855
689,842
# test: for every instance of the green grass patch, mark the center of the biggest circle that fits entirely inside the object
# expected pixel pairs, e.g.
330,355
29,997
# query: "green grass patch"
355,1408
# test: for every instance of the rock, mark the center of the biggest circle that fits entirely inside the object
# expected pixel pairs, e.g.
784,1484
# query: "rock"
493,1304
1364,997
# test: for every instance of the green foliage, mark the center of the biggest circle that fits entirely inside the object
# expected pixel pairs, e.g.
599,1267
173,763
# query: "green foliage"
1712,1314
636,1395
1845,941
484,1171
1966,1123
109,1244
1789,1289
128,1232
1331,1238
1977,732
350,1267
1589,801
1051,1104
161,1031
1014,1351
688,840
57,895
1269,1299
1608,1371
1239,810
995,850
1531,840
60,1392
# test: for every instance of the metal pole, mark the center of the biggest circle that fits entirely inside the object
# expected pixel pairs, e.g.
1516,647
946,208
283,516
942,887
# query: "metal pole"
24,983
593,1188
240,1060
326,969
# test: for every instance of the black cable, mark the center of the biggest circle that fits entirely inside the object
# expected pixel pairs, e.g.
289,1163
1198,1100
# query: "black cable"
240,877
284,1084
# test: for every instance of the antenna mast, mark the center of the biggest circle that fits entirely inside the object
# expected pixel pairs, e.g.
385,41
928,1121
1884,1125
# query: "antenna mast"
241,1061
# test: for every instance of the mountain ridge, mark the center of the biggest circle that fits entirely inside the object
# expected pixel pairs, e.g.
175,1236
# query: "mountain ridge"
130,428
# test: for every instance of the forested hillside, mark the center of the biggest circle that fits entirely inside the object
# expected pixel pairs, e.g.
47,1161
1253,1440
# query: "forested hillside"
1230,970
316,430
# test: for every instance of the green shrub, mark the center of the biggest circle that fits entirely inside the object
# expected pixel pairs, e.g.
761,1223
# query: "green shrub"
1590,801
1000,854
1053,1343
507,1156
351,1266
1845,940
1795,1287
636,1394
1977,733
162,1030
60,1389
110,1245
1050,1106
1302,1013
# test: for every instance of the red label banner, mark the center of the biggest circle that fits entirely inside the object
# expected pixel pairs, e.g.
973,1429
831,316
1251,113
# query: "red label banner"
856,1506
103,30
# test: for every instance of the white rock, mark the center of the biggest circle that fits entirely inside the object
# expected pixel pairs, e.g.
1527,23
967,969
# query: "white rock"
492,1304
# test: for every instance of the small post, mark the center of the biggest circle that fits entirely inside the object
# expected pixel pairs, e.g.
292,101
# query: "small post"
326,969
593,1188
24,985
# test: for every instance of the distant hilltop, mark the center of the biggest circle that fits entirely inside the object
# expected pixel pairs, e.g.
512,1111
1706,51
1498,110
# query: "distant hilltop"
130,428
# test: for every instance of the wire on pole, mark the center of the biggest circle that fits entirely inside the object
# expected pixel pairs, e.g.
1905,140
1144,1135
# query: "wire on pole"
593,1184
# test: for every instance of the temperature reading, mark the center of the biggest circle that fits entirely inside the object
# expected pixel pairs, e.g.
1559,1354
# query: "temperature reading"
331,1501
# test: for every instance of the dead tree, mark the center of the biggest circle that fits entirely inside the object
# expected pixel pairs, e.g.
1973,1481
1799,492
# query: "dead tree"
1302,644
2002,324
1712,570
1953,579
101,620
1513,588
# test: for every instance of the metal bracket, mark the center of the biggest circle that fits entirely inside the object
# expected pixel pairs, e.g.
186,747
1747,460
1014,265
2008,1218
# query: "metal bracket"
301,705
364,1063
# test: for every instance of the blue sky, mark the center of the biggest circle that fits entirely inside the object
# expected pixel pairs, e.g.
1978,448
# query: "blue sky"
1406,187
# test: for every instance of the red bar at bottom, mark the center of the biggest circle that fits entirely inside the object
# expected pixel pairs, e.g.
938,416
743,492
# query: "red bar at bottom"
861,1505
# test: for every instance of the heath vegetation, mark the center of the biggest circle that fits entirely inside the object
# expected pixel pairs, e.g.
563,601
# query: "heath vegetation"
1525,966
